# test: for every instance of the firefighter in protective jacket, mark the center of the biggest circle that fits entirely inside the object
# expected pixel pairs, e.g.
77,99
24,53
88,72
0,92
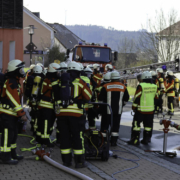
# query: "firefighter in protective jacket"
143,106
49,94
170,91
10,111
71,120
116,95
161,88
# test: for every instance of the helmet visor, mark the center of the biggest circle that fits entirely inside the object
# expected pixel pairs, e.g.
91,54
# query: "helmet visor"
22,73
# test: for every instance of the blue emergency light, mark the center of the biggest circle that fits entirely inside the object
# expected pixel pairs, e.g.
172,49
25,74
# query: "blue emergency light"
164,67
105,44
80,43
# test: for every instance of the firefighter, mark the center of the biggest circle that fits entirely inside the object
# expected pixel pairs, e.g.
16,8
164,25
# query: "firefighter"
71,120
135,113
104,122
32,101
116,95
161,88
63,67
143,106
109,68
10,111
92,112
49,90
97,76
170,91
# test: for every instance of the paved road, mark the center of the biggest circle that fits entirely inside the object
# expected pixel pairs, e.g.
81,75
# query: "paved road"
157,139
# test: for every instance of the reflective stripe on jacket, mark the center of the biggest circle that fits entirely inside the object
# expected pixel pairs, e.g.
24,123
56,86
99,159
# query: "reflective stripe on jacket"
10,98
79,91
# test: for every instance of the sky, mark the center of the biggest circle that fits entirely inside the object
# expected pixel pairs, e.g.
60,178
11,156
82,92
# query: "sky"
130,15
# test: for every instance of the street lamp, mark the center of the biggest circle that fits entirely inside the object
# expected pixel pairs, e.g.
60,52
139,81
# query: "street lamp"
31,45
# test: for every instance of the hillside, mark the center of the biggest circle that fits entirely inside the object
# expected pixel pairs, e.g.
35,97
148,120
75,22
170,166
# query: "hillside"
99,34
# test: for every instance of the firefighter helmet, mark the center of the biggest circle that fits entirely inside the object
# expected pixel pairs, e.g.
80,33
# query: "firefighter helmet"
81,66
74,66
96,66
37,69
146,75
108,66
160,70
107,77
90,66
115,75
63,66
153,73
32,66
170,73
53,67
88,71
15,64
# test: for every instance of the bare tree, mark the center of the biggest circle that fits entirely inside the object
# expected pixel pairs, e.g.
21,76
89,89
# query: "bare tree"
125,48
162,36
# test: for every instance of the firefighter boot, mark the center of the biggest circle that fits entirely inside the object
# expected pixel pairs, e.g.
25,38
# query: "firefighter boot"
114,140
6,159
146,137
15,156
80,161
134,138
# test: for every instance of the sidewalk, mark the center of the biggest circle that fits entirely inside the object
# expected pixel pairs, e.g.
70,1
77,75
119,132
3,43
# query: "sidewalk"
150,166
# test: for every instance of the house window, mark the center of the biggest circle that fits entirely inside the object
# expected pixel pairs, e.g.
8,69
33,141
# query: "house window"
11,50
1,54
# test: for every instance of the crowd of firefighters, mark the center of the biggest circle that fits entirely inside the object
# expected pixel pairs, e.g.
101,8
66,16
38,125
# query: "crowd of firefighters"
61,94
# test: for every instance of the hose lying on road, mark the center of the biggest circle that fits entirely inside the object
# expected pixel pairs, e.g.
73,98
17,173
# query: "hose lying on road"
66,169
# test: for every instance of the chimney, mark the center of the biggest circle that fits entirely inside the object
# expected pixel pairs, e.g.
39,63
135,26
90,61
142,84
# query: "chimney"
37,14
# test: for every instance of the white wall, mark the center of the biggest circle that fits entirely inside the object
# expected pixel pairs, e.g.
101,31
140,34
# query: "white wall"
61,47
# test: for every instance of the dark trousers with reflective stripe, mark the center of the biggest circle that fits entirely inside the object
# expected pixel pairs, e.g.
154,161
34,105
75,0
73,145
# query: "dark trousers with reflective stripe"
171,104
9,135
147,120
33,119
71,132
159,106
45,125
106,121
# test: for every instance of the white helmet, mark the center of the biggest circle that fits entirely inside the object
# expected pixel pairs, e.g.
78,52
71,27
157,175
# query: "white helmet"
74,66
108,66
160,70
88,71
32,66
15,64
81,66
107,77
90,66
170,73
146,75
37,69
53,67
115,75
63,66
96,66
153,73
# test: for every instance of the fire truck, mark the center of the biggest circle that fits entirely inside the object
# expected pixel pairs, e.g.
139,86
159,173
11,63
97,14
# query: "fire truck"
87,53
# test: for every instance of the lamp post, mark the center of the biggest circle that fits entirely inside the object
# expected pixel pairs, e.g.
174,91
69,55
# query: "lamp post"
31,32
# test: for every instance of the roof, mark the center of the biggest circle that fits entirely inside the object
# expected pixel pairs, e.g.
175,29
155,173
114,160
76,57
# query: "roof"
38,19
66,37
173,30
